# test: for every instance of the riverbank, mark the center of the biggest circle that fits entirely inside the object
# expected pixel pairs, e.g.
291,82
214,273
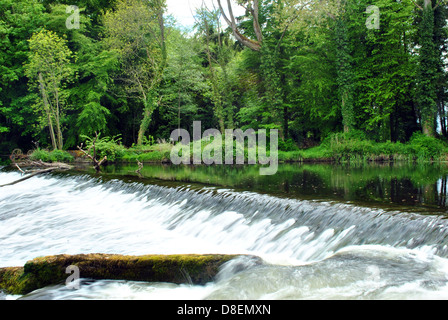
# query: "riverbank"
337,148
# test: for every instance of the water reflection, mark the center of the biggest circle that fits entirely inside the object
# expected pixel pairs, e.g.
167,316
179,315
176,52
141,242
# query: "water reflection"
421,188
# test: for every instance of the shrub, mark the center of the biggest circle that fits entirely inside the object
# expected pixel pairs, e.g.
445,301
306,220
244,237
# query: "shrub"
355,146
423,146
288,145
60,156
40,154
109,147
388,148
51,156
130,157
347,146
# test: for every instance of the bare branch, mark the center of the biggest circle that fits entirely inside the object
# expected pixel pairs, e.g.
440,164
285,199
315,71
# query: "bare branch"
28,177
417,4
224,14
254,45
23,172
232,18
49,167
438,4
97,164
257,28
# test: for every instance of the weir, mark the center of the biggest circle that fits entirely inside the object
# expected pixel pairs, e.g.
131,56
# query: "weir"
296,239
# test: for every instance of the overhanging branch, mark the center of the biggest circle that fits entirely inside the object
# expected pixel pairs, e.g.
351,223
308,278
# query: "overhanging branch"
251,44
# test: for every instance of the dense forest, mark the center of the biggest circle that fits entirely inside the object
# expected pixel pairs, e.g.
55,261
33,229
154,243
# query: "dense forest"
309,68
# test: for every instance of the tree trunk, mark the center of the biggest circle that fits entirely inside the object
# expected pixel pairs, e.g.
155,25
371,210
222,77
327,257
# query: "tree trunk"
345,74
47,111
149,99
60,139
178,109
162,37
251,44
217,98
428,62
147,116
442,116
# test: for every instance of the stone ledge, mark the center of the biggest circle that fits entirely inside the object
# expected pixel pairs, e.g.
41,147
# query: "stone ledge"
44,271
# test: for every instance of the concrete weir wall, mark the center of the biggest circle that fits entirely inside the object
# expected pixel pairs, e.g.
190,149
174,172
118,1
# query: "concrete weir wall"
44,271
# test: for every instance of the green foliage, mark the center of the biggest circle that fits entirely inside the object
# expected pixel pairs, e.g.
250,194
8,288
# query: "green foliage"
148,153
287,145
19,19
183,82
48,71
423,146
385,71
93,118
141,46
109,147
51,156
354,146
148,141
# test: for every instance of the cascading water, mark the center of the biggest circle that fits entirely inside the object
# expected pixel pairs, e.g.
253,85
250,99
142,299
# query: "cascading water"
309,249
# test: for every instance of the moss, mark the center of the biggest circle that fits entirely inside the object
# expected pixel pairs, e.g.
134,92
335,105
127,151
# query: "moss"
9,279
44,271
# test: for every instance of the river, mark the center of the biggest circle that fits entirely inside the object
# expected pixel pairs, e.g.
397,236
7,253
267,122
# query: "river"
322,231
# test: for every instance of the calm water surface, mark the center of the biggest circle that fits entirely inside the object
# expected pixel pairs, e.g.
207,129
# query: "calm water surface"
421,188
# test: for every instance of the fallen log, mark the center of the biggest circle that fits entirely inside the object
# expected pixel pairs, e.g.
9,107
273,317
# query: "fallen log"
45,271
41,164
28,177
49,167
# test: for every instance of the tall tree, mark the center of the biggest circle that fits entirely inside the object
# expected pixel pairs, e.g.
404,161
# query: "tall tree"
429,61
49,70
136,30
346,76
384,70
183,84
94,64
19,19
207,27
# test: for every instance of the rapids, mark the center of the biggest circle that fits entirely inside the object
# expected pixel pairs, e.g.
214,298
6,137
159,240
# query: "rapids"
310,249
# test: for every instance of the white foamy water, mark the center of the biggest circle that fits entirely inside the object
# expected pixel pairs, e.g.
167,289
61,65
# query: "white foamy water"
310,250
